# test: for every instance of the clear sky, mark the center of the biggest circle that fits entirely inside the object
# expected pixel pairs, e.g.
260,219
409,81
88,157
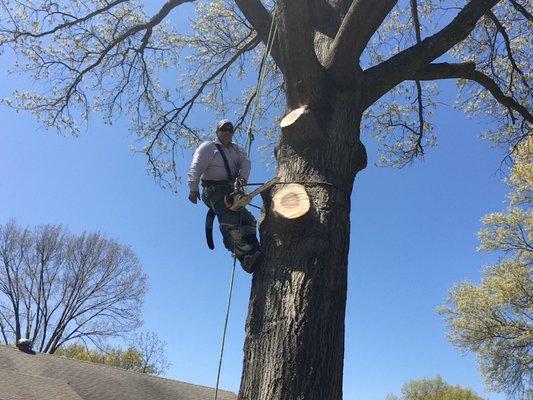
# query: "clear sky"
413,234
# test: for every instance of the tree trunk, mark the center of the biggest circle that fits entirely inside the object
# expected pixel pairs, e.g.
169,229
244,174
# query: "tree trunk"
294,347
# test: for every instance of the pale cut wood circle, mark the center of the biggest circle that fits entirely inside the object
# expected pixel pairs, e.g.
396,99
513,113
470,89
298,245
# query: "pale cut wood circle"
291,201
291,117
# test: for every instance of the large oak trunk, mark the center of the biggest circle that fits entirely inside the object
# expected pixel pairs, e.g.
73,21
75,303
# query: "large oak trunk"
295,329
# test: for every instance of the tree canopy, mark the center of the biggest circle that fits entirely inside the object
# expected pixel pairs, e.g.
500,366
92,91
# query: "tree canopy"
494,319
146,354
57,287
113,57
434,389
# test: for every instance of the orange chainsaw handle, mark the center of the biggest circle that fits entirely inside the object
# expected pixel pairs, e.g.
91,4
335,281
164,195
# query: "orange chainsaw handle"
230,199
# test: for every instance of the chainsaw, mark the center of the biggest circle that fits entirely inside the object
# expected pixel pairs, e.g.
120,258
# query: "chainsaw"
236,201
239,199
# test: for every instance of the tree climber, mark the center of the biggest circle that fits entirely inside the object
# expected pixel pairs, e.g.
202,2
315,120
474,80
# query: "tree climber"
218,164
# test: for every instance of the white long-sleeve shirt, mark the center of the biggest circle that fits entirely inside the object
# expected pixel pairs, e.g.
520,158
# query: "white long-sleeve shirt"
208,164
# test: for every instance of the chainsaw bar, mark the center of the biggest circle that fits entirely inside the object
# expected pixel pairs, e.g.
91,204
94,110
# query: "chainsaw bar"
241,201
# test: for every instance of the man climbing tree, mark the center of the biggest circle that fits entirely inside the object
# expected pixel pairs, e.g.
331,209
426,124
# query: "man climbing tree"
219,164
345,65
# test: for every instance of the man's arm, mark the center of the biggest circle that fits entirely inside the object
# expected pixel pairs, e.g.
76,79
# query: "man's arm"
200,162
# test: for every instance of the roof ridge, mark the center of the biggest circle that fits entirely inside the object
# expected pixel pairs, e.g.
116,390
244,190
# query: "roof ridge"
13,348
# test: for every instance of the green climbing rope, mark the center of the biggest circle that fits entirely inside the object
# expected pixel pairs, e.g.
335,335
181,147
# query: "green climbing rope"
260,80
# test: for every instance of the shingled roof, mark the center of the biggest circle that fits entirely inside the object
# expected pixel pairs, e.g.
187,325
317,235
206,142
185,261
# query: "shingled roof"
38,376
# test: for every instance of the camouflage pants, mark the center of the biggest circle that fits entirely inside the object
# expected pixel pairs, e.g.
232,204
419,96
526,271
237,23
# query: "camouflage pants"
238,228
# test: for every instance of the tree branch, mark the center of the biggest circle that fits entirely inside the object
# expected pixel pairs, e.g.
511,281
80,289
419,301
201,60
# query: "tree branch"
61,103
500,28
379,79
467,71
303,73
71,23
363,18
443,71
261,21
498,94
521,9
157,18
325,18
171,116
416,25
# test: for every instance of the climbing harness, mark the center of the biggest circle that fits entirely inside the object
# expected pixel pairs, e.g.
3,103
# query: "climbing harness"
210,216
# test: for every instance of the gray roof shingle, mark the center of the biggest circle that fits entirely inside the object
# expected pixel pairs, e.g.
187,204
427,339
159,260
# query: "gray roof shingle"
60,378
17,386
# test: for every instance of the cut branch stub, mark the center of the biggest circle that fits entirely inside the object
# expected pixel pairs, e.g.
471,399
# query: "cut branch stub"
301,131
291,117
291,201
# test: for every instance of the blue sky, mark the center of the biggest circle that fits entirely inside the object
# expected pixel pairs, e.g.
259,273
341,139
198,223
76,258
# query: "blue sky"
413,234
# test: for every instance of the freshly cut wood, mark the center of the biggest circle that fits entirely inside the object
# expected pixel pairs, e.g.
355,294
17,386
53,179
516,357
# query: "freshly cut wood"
291,201
291,117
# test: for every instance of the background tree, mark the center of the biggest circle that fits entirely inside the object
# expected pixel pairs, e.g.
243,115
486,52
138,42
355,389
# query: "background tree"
57,287
152,349
146,354
349,65
433,389
494,319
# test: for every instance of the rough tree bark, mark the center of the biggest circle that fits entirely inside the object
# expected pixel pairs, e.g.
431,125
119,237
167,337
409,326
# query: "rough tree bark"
294,347
295,329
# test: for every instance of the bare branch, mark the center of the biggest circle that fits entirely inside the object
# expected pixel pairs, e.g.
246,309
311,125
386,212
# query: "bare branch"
159,17
443,71
416,25
148,26
467,71
379,79
186,107
521,9
512,60
498,94
63,283
72,22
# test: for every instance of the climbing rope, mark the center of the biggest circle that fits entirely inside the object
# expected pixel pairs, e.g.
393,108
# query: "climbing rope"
260,80
225,324
249,140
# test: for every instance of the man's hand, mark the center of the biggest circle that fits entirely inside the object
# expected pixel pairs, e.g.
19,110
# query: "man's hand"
240,183
194,197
